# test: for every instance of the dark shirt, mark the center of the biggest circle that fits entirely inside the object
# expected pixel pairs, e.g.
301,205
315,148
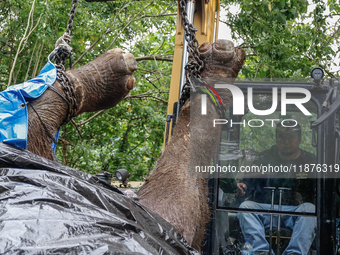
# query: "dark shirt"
302,188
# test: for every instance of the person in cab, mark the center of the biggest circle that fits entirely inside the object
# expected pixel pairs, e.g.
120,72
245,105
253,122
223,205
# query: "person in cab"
298,194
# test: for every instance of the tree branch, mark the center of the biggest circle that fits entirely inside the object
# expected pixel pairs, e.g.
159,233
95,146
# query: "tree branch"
154,58
65,142
134,18
158,15
236,31
22,41
158,67
29,65
36,64
89,119
99,39
74,124
146,78
148,94
144,96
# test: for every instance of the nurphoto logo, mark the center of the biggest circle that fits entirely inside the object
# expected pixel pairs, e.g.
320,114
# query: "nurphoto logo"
239,102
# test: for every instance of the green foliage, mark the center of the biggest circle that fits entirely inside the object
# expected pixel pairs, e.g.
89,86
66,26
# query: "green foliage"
283,38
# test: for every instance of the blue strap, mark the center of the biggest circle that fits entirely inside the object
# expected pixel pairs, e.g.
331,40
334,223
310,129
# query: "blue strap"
13,106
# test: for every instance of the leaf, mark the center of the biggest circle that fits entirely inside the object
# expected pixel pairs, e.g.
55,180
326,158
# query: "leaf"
281,18
282,4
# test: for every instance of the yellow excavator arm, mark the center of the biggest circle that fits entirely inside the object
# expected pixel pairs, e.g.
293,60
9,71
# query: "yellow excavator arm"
205,20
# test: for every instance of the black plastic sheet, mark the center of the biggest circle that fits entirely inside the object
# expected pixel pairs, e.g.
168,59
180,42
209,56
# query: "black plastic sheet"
49,208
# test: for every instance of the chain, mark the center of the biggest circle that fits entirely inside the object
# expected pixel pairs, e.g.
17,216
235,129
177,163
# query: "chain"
195,65
72,15
62,52
68,89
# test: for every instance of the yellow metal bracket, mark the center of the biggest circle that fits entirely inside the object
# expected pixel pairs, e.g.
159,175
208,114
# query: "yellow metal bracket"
204,22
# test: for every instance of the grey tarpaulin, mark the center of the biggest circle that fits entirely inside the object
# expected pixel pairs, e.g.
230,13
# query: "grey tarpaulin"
49,208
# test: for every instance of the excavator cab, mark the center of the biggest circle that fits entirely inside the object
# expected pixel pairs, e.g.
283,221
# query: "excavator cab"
259,189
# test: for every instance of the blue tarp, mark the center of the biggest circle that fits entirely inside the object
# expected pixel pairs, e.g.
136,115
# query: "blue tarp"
13,114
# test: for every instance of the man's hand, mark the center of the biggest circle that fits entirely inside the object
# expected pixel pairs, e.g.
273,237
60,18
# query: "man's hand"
241,189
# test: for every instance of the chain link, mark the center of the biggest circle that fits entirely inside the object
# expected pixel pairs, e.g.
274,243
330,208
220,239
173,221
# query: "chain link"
195,65
68,89
72,15
60,54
